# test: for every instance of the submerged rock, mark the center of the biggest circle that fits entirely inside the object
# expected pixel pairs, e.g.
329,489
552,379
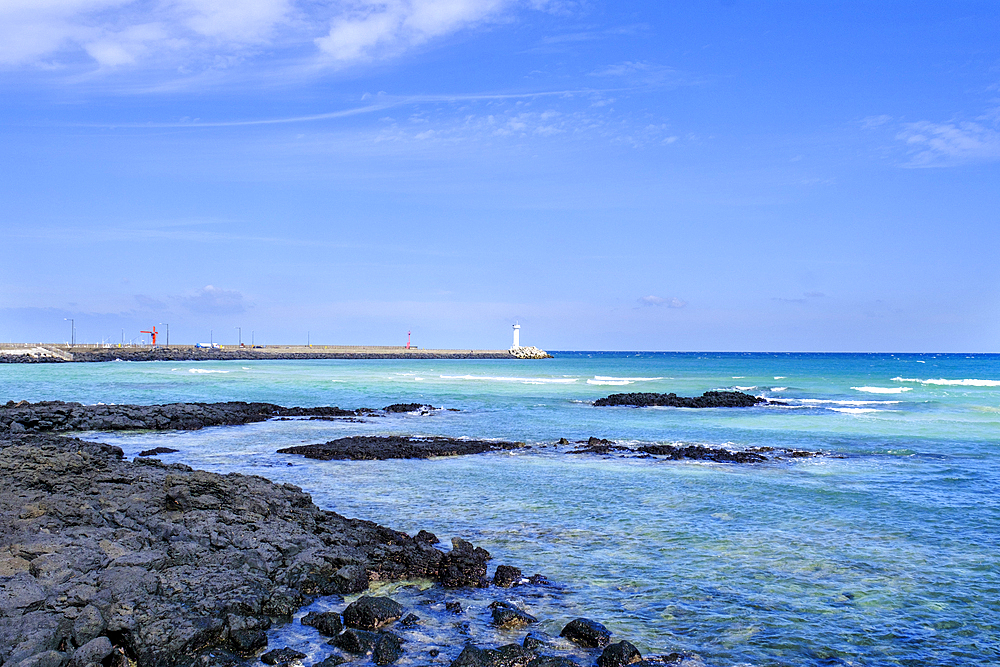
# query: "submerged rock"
387,649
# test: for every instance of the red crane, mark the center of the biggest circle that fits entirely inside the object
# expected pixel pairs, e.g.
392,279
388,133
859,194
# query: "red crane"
151,333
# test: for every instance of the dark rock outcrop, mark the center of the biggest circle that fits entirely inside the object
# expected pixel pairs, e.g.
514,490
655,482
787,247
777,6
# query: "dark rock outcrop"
689,452
619,655
281,656
464,565
59,416
326,623
586,633
372,613
359,642
506,576
379,448
509,655
387,649
173,566
710,399
509,616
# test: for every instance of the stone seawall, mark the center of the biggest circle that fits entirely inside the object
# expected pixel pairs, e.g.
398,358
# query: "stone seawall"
64,354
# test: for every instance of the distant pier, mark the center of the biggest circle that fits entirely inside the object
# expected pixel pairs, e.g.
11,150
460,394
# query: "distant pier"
62,353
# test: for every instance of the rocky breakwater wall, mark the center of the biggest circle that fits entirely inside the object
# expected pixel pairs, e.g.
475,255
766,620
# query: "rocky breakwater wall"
103,560
529,352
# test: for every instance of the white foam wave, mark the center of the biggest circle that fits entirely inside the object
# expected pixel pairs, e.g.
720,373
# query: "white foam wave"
780,377
779,388
739,377
491,378
825,401
204,370
744,388
882,390
607,380
856,411
953,383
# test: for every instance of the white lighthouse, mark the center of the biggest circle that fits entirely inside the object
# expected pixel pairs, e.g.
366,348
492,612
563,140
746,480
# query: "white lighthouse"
517,336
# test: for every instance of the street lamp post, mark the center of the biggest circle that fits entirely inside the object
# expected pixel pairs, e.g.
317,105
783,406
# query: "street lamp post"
251,338
241,335
72,330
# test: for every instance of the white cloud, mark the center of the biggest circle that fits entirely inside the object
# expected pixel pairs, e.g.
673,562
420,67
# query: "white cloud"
944,144
669,302
369,28
215,33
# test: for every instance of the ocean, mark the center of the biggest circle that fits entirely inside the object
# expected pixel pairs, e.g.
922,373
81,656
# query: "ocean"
883,551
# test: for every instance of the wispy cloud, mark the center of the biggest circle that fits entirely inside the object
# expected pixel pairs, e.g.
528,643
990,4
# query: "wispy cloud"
214,300
382,102
662,302
643,73
945,144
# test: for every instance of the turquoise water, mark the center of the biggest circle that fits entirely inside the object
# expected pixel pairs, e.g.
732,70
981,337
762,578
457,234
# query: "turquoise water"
884,553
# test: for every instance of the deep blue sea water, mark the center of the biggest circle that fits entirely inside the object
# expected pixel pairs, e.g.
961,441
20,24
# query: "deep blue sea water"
885,552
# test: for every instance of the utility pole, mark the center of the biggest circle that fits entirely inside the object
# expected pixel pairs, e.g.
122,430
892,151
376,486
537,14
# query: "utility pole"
72,330
241,335
251,338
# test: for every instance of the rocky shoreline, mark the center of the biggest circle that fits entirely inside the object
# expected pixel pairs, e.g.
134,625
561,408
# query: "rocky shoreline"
117,563
166,565
45,416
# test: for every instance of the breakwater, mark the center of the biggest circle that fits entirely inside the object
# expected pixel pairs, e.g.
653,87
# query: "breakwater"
65,353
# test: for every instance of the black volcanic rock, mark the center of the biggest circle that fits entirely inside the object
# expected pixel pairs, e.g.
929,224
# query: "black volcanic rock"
702,453
619,655
175,567
55,416
506,576
157,450
371,613
464,565
710,399
326,623
377,447
586,633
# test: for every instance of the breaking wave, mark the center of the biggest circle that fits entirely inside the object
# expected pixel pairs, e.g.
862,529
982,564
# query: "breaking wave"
883,390
953,383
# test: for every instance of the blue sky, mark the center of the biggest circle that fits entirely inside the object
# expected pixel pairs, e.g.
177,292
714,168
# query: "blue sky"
643,175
